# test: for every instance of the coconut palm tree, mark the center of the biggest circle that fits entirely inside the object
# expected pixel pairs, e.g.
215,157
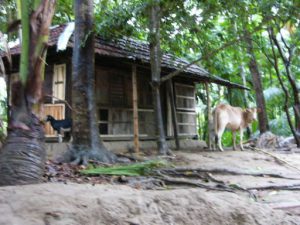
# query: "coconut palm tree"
22,157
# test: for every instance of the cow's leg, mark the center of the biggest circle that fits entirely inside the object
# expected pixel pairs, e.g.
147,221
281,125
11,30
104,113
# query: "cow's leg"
241,139
234,139
219,137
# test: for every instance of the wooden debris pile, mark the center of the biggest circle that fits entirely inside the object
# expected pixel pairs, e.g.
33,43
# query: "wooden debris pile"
268,140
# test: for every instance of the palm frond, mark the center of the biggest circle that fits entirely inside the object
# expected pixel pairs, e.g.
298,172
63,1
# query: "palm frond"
136,169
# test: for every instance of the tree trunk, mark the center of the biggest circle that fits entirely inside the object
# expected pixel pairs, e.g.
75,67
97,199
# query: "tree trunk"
210,127
243,77
22,159
272,39
86,139
23,156
155,59
257,84
287,65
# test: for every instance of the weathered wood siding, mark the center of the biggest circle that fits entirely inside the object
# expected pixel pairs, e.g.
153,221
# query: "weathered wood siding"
113,89
114,100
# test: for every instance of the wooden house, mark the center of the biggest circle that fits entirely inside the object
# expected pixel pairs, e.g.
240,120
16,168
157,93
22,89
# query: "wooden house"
115,61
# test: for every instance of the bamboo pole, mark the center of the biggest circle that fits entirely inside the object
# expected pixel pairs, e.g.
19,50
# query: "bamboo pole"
135,111
173,110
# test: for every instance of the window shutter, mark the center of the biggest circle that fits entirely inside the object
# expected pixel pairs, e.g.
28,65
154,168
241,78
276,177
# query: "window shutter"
59,82
186,111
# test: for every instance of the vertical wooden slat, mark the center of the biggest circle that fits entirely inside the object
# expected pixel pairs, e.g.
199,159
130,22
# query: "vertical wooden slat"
135,111
173,110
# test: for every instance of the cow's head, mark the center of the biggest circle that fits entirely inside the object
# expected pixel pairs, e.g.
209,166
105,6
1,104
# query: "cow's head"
250,115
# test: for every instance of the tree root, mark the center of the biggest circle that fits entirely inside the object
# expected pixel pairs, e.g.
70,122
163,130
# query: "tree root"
193,174
82,155
291,187
167,175
219,187
287,207
183,181
186,171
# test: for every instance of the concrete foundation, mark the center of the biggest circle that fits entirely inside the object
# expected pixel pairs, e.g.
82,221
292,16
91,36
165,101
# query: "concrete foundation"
55,150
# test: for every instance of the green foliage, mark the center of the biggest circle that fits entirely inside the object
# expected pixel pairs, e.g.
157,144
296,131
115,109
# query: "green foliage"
136,169
279,125
7,13
194,29
64,12
3,116
227,139
119,18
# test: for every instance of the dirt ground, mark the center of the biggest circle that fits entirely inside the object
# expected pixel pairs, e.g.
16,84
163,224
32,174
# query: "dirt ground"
71,204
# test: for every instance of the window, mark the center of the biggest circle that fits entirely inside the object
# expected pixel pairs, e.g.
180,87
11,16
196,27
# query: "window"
59,82
103,121
185,105
185,97
144,92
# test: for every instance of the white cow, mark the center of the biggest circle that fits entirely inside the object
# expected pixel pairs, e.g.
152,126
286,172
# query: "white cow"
234,118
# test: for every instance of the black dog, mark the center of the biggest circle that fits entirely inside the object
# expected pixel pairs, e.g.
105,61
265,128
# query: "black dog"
60,126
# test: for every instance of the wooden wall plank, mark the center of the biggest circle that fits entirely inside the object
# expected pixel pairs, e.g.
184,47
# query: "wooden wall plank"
135,111
58,112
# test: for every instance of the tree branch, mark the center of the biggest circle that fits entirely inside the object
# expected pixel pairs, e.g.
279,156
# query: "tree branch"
212,53
66,102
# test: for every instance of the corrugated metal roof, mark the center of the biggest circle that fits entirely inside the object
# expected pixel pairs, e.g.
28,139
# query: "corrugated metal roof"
134,50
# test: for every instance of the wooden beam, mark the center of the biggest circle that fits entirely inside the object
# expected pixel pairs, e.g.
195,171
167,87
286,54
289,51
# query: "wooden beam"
173,110
135,111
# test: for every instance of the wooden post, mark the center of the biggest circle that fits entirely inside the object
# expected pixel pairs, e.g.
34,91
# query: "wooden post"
173,110
135,111
209,117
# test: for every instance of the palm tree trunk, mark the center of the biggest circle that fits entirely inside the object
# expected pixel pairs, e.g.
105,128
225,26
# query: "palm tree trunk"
22,158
